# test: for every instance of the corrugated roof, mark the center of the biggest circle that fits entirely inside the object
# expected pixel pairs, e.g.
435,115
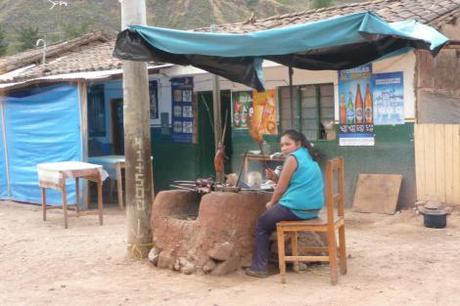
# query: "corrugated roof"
432,12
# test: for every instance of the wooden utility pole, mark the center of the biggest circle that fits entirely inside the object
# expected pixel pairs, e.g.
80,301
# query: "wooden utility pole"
136,113
217,111
218,137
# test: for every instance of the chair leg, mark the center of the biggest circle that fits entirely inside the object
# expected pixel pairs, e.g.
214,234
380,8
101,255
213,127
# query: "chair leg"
99,201
119,186
44,203
295,249
332,250
77,196
342,251
281,254
64,204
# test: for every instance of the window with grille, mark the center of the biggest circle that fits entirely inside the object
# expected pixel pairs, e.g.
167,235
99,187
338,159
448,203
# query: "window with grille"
311,110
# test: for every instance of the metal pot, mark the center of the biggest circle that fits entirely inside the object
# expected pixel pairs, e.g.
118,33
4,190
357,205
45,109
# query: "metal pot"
434,214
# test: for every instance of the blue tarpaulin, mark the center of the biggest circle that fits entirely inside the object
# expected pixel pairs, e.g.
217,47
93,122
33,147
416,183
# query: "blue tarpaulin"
42,125
335,43
3,173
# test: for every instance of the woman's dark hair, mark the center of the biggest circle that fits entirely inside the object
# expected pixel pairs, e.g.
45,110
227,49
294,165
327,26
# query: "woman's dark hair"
299,137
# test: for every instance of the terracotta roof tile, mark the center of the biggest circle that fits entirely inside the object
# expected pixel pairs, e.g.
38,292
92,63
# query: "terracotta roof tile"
426,11
92,52
95,56
29,57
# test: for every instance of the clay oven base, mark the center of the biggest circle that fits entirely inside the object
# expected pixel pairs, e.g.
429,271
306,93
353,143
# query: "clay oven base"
212,235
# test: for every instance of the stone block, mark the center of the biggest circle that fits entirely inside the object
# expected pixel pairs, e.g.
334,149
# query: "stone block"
221,251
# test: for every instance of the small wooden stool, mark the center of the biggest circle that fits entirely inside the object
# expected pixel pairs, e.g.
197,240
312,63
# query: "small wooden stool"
54,175
329,226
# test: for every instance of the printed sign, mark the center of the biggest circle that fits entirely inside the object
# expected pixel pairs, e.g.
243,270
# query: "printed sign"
264,116
242,109
356,107
182,115
388,98
153,93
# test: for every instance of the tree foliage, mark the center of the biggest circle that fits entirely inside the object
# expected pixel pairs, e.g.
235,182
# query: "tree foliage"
3,42
27,37
251,2
321,3
72,30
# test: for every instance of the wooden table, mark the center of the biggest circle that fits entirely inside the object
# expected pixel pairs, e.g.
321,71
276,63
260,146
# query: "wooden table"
113,164
54,175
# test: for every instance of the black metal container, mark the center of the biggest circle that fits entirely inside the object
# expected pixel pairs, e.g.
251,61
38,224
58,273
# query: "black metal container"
434,215
437,220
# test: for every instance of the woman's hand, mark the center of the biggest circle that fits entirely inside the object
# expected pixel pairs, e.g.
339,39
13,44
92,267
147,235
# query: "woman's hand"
271,175
269,205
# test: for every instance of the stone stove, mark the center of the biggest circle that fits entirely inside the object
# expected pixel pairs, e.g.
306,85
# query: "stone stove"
213,233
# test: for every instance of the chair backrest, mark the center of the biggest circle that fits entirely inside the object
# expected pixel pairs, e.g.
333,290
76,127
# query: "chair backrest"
334,189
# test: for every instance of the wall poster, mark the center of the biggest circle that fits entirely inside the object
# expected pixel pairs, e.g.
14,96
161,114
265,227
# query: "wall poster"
264,116
153,97
182,114
356,107
388,98
242,109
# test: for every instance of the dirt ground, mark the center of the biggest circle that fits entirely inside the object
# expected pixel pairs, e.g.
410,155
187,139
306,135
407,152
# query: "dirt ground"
394,260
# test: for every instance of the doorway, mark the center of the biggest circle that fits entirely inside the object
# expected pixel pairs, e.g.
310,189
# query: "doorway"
117,127
205,131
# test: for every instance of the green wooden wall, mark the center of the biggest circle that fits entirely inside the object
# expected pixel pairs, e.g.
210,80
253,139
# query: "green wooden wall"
393,153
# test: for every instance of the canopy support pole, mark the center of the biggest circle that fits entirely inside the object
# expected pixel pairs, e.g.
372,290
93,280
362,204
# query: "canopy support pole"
291,95
217,111
136,113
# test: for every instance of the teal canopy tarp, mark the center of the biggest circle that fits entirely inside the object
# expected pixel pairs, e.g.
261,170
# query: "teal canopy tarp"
330,44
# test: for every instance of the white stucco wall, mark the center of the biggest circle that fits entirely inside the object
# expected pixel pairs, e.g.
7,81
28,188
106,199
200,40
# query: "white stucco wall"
277,75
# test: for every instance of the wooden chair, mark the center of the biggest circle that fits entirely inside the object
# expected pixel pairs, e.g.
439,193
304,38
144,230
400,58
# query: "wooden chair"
333,223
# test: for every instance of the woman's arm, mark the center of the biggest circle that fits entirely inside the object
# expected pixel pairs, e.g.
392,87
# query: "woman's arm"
283,182
271,175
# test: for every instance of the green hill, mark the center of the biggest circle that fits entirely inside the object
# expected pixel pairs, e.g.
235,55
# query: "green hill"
56,21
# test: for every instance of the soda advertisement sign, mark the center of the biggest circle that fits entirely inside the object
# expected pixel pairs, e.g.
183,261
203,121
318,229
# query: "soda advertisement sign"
356,107
264,117
242,109
388,98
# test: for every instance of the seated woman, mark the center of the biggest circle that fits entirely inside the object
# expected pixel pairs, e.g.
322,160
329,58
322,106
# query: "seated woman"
298,195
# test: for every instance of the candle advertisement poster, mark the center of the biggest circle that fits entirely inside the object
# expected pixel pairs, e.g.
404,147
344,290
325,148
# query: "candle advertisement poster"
264,116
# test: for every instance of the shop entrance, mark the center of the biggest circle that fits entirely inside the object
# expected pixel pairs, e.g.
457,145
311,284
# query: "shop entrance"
206,135
117,127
